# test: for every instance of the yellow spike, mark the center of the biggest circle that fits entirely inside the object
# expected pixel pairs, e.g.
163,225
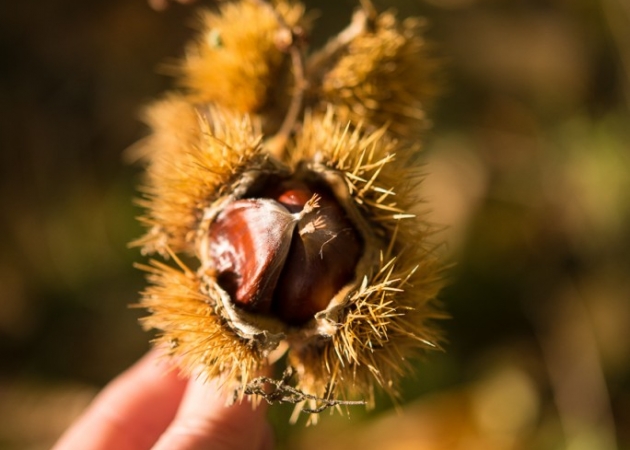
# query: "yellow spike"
236,62
191,158
385,75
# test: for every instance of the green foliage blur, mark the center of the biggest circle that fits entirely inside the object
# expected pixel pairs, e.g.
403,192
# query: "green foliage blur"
528,169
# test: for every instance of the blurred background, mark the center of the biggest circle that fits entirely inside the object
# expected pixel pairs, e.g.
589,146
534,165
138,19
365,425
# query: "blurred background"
528,168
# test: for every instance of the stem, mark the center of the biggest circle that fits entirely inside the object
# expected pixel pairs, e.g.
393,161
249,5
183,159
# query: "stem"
320,60
290,41
277,145
279,391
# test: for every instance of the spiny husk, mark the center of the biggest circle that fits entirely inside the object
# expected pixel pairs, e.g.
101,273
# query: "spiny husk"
380,171
384,316
387,318
192,155
206,151
385,76
386,324
184,310
237,61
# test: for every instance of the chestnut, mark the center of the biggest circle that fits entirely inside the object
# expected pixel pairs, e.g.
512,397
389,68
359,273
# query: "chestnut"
283,187
284,255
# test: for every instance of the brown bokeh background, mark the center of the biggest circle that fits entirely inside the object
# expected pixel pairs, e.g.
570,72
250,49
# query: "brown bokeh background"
528,167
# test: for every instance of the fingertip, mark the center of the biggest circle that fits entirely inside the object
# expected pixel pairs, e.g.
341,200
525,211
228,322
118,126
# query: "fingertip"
132,411
204,421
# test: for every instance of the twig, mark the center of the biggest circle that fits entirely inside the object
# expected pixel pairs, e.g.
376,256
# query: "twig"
319,60
289,40
279,391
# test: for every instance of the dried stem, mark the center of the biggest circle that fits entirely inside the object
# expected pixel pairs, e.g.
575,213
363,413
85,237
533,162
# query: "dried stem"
277,145
318,62
279,391
289,40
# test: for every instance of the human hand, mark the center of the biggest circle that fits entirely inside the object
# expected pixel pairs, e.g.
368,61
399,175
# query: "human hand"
151,407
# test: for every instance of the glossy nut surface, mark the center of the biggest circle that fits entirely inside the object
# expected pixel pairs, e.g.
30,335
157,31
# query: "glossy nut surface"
286,255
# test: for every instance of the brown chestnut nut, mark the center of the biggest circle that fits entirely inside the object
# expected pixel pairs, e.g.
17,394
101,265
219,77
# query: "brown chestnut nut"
285,256
249,244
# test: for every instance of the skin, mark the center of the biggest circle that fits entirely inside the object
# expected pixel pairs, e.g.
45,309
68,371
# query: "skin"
150,406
